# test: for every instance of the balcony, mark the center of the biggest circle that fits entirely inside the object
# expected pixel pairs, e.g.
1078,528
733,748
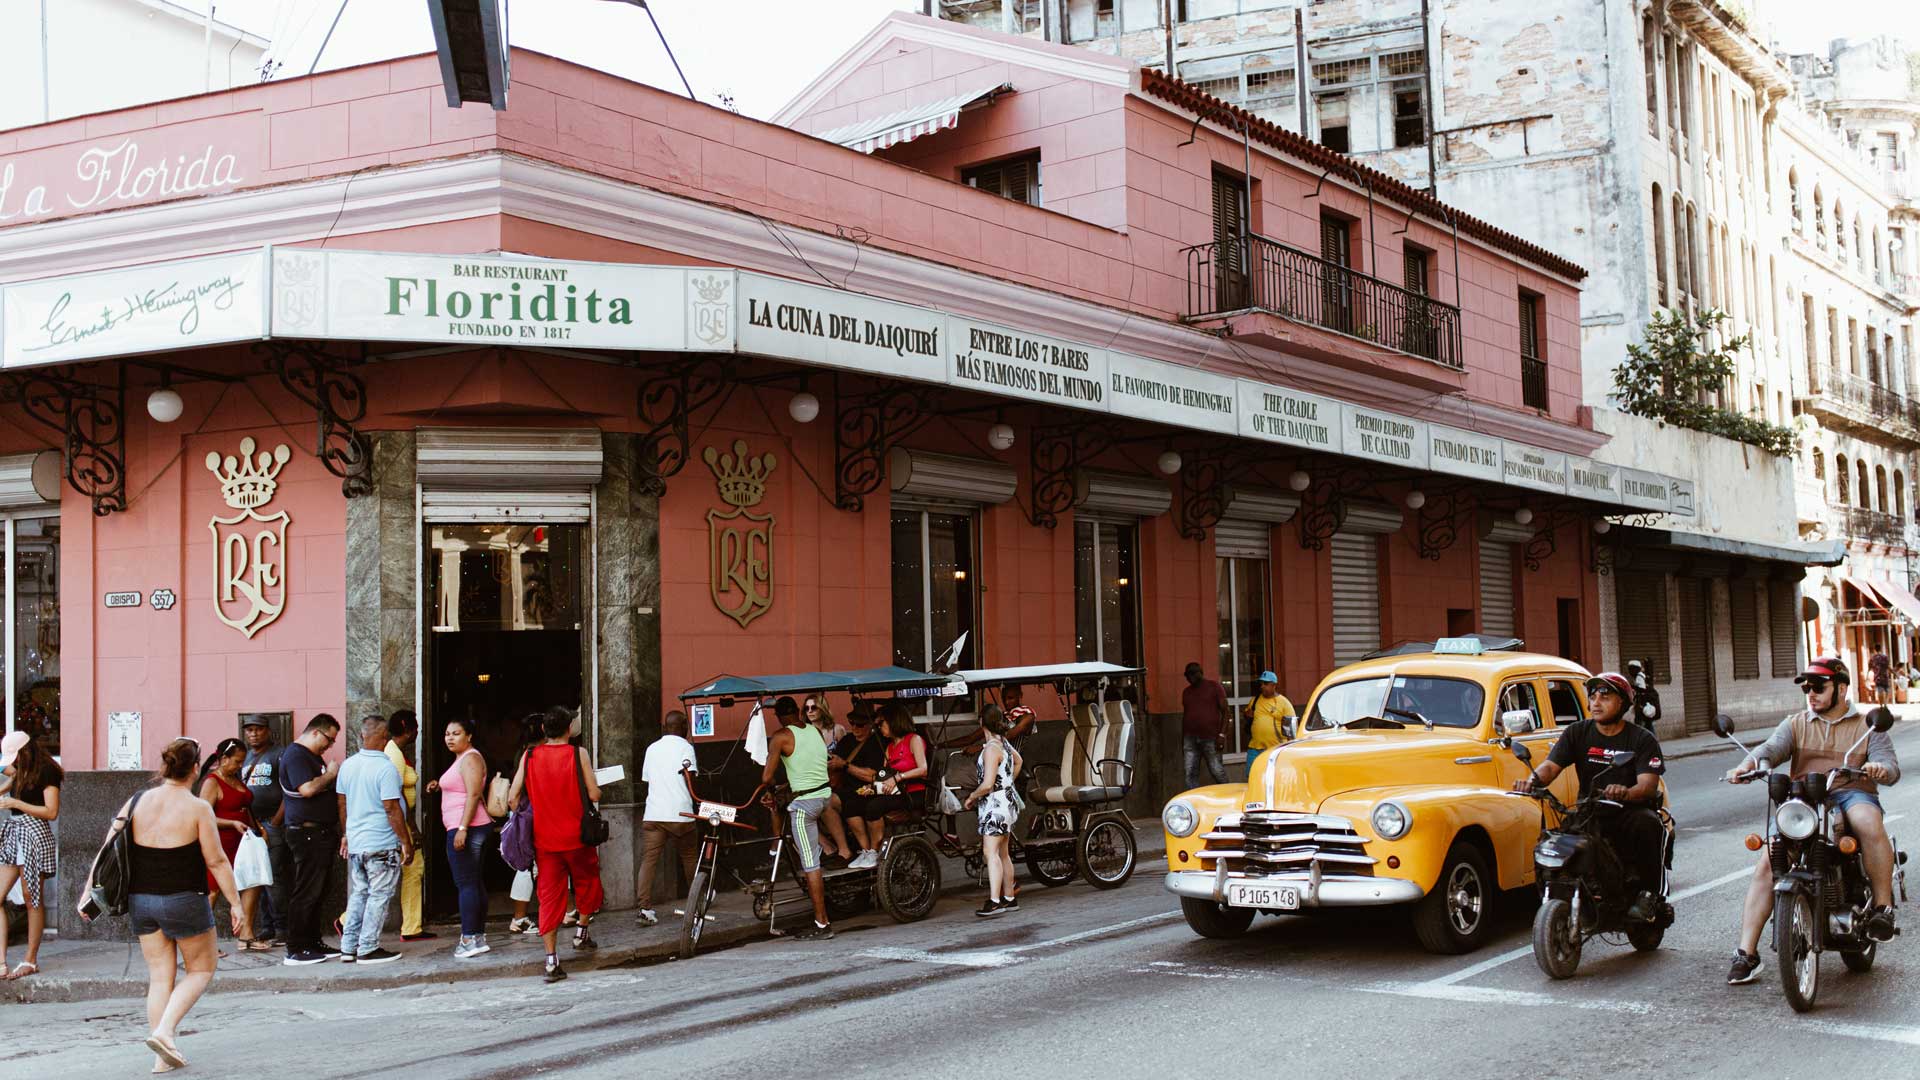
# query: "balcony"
1263,275
1852,405
1874,527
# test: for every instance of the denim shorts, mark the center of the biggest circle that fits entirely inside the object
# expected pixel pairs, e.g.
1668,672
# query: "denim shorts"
178,915
1845,798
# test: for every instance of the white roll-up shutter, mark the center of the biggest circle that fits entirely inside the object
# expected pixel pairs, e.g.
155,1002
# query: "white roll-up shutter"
30,480
1356,595
508,474
918,476
1496,588
1121,495
1235,538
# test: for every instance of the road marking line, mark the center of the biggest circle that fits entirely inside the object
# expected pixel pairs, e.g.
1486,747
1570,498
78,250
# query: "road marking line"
1095,932
1685,894
1908,1036
991,958
1484,995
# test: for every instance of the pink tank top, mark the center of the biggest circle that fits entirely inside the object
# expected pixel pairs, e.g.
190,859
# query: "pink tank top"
453,795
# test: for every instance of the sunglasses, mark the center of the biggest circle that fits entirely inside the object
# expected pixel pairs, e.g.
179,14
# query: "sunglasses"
1814,686
813,708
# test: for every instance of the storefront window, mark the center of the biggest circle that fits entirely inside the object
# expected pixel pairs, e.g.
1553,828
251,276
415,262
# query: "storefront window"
1106,593
933,587
31,658
507,577
1241,592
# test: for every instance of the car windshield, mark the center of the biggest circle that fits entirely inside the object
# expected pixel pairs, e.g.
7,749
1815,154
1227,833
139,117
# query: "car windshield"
1453,703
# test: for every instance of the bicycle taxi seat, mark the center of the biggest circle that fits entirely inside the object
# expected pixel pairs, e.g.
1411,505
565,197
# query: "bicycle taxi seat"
1096,760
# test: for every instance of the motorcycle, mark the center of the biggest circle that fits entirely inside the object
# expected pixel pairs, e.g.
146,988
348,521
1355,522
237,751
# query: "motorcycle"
1584,892
1821,895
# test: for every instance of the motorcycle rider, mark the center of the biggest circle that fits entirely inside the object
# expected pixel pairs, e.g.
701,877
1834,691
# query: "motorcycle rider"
1607,746
1813,740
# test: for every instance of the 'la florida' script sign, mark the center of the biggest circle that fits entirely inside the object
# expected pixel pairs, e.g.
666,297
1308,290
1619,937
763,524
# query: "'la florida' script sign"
198,157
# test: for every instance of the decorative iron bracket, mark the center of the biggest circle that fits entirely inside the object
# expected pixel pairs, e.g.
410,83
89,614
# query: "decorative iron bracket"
338,398
1323,505
91,421
1602,561
1439,526
1204,482
867,426
1058,453
667,401
1545,540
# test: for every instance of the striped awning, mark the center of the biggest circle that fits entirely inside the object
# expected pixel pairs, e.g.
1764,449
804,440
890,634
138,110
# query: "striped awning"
1902,600
909,124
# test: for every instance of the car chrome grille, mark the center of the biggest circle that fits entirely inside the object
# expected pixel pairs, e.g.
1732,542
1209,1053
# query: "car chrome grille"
1262,841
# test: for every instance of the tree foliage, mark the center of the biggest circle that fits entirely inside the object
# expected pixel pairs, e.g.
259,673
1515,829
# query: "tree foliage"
1675,373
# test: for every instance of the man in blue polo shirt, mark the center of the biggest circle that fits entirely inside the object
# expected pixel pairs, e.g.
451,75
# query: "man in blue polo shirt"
377,844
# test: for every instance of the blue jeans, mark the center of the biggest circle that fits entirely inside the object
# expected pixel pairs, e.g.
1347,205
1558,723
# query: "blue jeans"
467,880
1847,798
1203,751
372,879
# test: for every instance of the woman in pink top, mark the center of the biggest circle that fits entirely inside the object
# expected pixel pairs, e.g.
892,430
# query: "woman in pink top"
468,826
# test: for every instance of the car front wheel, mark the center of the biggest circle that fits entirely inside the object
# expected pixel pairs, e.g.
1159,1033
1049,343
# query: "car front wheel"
1212,920
1456,916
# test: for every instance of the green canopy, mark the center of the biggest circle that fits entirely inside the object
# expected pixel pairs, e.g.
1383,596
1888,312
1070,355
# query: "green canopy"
866,680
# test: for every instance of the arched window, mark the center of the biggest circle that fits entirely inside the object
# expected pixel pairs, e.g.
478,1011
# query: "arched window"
1859,249
1841,479
1899,495
1819,218
1659,248
1877,246
1819,466
1839,232
1693,251
1793,198
1864,492
1682,279
1880,486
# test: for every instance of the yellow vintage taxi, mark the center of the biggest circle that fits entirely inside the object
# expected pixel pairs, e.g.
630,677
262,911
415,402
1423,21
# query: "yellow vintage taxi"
1394,793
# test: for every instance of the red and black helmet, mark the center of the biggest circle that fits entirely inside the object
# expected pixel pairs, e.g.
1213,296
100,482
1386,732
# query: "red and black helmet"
1825,667
1614,681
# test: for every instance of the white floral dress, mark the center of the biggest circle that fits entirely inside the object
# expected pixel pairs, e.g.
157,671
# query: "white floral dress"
996,807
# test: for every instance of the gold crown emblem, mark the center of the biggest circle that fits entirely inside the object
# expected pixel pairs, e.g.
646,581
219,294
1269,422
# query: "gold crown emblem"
711,288
742,480
246,482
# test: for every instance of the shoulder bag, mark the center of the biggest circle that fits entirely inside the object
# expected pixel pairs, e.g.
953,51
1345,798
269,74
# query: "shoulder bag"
112,878
594,829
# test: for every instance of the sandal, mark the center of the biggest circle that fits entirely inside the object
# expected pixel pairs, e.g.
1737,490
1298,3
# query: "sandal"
166,1051
22,970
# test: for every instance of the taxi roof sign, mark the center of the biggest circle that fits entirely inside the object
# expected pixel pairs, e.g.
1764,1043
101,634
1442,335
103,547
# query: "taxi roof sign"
1459,646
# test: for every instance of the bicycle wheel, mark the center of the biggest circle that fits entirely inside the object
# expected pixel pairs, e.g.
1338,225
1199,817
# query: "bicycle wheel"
699,897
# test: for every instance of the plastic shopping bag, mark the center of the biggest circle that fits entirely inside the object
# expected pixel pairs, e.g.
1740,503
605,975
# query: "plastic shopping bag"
252,867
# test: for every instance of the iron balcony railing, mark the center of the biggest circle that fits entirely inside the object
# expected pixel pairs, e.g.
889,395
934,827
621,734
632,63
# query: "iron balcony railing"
1533,382
1869,396
1258,273
1874,526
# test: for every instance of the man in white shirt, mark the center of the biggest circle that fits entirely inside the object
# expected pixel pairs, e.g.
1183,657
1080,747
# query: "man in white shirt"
667,800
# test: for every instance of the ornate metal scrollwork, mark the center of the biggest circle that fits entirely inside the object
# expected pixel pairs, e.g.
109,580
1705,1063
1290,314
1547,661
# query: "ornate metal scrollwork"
1439,526
1058,454
1602,560
1321,512
91,420
338,398
865,427
1203,493
666,403
1546,539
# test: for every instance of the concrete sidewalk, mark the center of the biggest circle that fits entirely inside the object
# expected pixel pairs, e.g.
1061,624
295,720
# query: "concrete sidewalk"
94,970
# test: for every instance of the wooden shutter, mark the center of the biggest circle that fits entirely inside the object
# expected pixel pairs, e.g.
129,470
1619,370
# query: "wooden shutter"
1229,226
1529,328
1783,623
1356,596
1334,244
1228,218
1743,611
1696,654
1336,290
1642,617
1416,271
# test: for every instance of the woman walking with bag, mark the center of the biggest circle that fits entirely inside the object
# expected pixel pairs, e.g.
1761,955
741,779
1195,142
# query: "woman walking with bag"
175,848
232,802
558,778
468,825
32,802
998,762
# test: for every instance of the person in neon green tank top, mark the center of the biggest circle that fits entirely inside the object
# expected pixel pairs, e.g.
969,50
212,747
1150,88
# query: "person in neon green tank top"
802,750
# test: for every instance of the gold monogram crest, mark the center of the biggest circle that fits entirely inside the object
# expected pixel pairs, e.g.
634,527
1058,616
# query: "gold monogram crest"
249,548
740,543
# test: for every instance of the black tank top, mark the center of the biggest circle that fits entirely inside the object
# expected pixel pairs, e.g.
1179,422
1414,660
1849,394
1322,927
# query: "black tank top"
163,871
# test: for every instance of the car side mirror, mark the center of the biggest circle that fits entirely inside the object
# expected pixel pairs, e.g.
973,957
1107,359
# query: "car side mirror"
1520,751
1723,725
1881,719
1517,722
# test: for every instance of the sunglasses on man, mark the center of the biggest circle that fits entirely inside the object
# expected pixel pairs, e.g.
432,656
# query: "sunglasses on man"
1814,686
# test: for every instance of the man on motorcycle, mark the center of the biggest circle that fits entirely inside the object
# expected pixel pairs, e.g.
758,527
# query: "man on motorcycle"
1606,747
1813,740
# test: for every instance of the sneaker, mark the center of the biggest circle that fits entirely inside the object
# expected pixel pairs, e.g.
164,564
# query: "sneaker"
424,935
1746,966
583,941
522,925
866,860
554,971
303,958
989,908
813,932
472,949
377,956
648,918
1879,924
279,940
348,958
329,950
1011,903
572,919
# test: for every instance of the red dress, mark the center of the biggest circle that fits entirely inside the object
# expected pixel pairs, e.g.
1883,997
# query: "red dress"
234,804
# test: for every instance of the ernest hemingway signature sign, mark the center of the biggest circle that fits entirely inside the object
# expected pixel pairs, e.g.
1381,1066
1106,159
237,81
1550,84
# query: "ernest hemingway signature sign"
154,308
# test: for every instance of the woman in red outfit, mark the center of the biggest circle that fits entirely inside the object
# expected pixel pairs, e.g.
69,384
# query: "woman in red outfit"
232,800
553,774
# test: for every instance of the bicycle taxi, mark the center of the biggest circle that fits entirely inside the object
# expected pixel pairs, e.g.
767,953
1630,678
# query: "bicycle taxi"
1077,825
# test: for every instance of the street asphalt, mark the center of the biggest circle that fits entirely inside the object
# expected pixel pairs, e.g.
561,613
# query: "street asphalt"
1083,983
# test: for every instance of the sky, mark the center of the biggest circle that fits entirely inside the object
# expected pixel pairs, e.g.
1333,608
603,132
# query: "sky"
760,53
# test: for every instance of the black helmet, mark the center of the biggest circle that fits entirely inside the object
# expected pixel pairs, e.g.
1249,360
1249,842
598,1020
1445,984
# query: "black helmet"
1825,667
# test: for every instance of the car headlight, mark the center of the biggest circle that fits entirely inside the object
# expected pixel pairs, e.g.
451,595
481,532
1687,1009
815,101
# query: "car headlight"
1796,820
1179,818
1391,821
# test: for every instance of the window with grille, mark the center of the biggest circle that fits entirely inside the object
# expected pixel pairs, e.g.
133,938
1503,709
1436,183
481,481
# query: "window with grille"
1783,625
1254,81
1012,178
1341,72
1410,116
1743,611
1409,62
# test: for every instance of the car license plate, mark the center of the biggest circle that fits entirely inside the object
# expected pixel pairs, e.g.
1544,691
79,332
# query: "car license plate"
710,811
1266,897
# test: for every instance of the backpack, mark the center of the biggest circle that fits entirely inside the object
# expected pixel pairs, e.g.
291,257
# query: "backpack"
112,876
